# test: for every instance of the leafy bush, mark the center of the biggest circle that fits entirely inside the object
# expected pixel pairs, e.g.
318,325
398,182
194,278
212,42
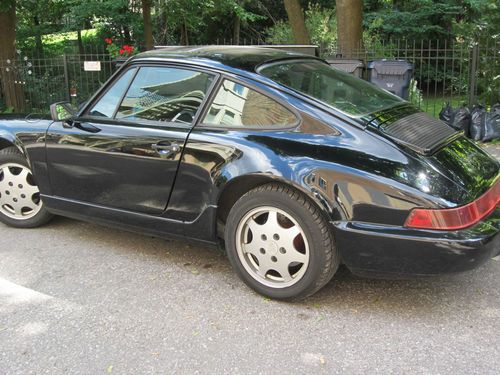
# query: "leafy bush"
415,94
321,24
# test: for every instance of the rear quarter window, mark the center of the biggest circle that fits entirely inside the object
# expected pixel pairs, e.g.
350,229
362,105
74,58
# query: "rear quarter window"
238,106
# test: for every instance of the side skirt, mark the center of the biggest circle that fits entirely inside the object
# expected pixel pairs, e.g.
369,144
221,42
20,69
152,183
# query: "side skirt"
201,230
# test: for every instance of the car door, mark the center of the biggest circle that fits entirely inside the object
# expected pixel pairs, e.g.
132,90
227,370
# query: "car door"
124,150
234,137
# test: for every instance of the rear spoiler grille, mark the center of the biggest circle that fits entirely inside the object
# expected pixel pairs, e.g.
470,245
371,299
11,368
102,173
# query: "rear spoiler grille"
420,132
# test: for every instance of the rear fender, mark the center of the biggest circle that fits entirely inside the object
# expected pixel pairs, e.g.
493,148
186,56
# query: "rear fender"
238,186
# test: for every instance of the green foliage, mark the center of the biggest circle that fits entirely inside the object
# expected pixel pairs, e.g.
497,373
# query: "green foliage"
482,21
205,21
49,27
115,50
482,25
420,19
5,110
211,20
415,95
432,19
60,43
191,13
280,33
113,17
39,17
321,24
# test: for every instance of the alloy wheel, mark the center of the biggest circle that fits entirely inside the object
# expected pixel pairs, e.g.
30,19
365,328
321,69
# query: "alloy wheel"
19,195
272,247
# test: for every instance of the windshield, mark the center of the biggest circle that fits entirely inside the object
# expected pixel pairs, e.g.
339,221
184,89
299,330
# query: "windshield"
351,95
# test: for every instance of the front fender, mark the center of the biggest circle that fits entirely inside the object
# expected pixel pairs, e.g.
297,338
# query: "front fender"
29,137
8,139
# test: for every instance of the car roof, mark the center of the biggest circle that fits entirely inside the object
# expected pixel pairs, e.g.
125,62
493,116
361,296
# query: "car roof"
246,58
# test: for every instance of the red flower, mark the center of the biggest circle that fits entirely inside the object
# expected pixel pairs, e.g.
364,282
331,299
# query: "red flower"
122,51
108,40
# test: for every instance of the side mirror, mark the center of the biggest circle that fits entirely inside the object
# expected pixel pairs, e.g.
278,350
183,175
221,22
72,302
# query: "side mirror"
61,111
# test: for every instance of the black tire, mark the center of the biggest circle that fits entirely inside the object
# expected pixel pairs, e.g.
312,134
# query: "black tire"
324,258
12,155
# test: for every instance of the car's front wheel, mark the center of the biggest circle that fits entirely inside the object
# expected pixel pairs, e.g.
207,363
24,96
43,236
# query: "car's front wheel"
20,202
279,243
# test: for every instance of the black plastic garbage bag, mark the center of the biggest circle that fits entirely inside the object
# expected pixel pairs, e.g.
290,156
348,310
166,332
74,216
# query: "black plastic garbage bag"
478,117
492,124
461,119
446,114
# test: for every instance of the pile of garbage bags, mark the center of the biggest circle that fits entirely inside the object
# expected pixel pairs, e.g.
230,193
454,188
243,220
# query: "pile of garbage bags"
477,123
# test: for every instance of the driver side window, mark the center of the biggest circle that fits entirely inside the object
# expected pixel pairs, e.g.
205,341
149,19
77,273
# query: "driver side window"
107,104
165,94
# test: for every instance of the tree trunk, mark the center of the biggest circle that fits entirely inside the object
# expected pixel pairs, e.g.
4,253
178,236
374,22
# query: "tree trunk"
236,29
13,93
296,19
127,38
349,27
148,30
8,32
163,31
81,50
38,37
161,23
184,35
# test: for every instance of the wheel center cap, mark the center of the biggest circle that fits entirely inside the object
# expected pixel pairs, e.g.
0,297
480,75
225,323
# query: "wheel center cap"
272,248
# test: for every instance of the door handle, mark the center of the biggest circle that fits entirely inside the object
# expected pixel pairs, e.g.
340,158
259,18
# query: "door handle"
166,149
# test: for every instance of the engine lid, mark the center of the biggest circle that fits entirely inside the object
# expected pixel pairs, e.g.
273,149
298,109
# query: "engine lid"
409,126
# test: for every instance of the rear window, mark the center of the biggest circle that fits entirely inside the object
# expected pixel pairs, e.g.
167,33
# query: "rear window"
340,90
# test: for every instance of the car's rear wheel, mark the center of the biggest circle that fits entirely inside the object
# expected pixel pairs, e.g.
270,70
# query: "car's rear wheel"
279,243
20,202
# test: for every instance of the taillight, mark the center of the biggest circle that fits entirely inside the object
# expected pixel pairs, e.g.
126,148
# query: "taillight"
455,218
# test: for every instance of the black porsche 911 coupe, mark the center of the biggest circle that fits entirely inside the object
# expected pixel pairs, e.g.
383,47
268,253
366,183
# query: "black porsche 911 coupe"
295,166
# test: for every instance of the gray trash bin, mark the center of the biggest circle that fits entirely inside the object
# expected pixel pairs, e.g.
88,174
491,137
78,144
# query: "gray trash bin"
392,75
353,67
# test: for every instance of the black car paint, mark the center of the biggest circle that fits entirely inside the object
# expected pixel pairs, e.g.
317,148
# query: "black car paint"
365,183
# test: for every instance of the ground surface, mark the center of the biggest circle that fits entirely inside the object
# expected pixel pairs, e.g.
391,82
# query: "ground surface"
493,149
76,298
79,298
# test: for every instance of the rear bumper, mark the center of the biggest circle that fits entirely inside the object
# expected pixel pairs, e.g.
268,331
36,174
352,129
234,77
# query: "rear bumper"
390,251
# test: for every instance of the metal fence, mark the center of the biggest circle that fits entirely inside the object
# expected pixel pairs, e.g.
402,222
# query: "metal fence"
42,81
459,73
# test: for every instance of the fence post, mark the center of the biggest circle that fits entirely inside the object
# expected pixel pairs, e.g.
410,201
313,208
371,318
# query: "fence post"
473,74
66,78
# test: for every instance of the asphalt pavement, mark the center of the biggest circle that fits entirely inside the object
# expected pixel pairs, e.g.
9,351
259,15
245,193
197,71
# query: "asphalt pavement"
493,149
77,298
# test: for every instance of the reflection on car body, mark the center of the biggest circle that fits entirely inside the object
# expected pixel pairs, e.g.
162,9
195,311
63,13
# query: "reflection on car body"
293,166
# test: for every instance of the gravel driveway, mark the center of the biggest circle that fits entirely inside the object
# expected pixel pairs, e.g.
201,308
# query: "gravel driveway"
79,298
